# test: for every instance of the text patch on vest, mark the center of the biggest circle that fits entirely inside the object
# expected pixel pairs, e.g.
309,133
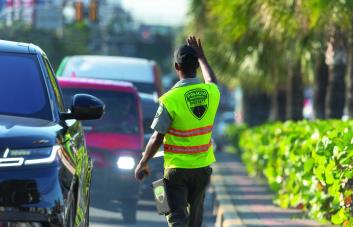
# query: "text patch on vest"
197,101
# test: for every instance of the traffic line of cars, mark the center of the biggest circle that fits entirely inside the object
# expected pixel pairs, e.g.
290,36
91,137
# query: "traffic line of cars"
54,152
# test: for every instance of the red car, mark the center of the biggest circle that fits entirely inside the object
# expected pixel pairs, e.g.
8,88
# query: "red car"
115,142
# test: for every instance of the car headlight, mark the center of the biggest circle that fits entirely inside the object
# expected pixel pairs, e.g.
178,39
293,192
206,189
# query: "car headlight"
125,162
18,157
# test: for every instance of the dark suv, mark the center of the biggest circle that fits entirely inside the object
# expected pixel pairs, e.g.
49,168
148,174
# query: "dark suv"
45,170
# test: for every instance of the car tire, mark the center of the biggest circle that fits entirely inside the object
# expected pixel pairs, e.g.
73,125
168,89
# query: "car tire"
129,210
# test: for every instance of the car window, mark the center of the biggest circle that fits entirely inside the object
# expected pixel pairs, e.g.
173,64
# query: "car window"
148,88
121,114
22,90
54,84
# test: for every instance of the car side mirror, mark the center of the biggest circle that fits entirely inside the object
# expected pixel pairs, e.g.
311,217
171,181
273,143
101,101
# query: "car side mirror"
85,107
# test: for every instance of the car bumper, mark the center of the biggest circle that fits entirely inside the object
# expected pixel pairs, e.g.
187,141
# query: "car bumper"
24,216
33,194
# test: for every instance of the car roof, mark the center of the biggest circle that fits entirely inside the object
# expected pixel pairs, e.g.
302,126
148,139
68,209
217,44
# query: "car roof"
96,84
109,67
115,59
17,47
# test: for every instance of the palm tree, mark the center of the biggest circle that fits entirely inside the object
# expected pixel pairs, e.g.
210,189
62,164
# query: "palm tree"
334,19
336,60
349,91
320,86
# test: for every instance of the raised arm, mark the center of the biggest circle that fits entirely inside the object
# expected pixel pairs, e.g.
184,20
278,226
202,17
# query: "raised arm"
207,72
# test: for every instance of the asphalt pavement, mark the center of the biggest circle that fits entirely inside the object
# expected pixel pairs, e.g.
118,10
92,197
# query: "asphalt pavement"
109,215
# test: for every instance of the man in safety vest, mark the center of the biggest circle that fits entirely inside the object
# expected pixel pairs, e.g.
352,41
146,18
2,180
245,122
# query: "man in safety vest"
184,123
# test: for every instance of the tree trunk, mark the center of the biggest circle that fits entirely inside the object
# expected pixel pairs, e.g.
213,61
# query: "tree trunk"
336,59
295,93
278,105
349,94
256,107
320,88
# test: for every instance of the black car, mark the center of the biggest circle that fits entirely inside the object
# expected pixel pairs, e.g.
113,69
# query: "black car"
45,170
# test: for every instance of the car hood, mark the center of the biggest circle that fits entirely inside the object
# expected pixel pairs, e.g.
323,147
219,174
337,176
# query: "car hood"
113,141
19,132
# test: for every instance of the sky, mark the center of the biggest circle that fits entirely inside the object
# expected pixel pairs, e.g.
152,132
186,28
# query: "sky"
161,12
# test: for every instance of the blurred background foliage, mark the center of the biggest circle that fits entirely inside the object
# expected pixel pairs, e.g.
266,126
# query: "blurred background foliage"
275,49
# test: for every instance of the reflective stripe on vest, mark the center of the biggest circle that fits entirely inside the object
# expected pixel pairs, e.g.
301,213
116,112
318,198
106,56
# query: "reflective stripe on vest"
190,133
187,149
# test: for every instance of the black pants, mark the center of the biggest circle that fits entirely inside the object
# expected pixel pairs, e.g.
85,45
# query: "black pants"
186,193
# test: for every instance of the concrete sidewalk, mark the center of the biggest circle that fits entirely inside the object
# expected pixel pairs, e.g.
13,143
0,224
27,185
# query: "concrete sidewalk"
244,201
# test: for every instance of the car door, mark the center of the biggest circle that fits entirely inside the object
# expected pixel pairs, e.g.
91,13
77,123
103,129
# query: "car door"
75,143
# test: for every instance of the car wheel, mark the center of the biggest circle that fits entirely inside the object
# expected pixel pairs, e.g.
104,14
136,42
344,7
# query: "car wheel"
129,210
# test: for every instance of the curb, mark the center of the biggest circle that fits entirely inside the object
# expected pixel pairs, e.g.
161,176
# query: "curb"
224,208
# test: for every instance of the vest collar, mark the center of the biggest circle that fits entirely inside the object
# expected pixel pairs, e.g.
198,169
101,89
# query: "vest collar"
186,82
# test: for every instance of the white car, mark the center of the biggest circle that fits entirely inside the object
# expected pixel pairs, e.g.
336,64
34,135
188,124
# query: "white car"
143,73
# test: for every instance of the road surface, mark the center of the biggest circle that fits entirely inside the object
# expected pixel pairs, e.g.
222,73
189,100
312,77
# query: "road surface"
146,216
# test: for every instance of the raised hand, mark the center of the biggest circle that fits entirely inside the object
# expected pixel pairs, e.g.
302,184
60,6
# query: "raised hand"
196,44
207,72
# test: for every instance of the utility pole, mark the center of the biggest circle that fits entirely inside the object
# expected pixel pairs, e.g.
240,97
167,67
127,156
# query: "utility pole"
79,11
93,10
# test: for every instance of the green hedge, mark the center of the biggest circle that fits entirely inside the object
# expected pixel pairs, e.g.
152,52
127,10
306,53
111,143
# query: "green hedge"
308,164
232,136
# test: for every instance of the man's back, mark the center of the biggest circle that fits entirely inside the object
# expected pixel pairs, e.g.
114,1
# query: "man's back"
192,109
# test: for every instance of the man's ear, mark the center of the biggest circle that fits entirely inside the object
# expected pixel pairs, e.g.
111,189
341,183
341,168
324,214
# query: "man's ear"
177,66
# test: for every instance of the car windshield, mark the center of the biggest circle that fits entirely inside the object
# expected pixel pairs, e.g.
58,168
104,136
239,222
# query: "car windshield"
148,88
22,90
121,115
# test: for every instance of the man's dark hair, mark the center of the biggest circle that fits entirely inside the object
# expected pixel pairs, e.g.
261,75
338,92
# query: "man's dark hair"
186,57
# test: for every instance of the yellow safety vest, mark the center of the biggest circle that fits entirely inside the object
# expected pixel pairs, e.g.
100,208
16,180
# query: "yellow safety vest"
192,109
